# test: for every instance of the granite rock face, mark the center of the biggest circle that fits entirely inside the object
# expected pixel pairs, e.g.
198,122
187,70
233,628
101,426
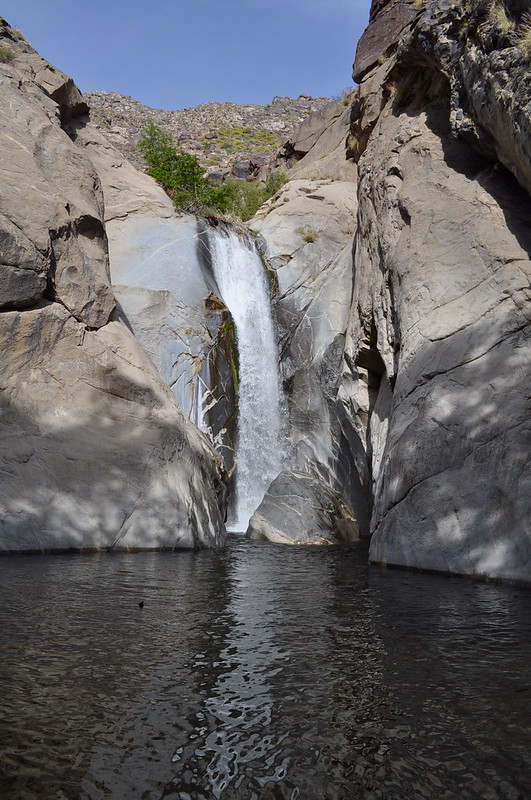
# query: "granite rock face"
95,451
414,368
298,509
387,20
399,256
487,75
439,336
164,285
53,238
319,143
308,228
443,288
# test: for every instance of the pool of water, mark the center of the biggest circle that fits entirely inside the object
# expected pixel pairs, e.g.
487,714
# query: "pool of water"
258,672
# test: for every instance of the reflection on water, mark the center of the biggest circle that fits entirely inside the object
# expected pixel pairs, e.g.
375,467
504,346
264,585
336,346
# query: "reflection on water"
258,673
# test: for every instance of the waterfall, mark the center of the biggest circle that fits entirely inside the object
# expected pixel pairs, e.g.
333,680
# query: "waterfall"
240,277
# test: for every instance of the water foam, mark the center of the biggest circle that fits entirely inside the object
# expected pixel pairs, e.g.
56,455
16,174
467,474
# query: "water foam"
241,280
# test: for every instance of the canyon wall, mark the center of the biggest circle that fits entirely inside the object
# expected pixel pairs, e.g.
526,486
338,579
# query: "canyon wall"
398,257
404,315
96,453
442,295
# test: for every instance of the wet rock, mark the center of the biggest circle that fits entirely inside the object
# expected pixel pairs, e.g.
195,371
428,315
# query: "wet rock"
163,282
309,230
299,509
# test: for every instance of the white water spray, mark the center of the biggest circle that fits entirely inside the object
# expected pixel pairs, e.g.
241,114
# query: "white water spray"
239,273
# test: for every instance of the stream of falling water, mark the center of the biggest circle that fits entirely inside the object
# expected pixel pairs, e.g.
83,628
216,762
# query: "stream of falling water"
239,273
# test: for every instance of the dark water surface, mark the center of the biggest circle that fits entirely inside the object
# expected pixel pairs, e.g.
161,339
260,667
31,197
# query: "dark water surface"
259,672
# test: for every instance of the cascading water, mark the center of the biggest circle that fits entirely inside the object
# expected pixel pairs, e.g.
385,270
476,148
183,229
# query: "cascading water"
240,277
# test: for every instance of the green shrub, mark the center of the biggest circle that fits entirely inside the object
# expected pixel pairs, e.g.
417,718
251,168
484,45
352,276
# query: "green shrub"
180,173
498,17
183,178
246,197
274,182
6,55
234,139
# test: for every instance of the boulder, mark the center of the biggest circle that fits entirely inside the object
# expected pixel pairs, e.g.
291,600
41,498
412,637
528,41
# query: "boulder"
241,169
322,149
309,230
298,509
314,127
95,453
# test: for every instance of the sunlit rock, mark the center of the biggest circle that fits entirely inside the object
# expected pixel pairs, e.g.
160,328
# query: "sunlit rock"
96,454
299,509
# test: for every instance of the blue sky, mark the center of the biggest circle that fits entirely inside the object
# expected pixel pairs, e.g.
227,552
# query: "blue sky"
178,53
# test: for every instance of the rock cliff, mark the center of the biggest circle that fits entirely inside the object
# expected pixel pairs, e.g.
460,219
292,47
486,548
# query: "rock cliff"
96,452
442,296
405,336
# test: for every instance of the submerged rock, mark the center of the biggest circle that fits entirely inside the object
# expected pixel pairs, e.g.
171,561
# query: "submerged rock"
299,509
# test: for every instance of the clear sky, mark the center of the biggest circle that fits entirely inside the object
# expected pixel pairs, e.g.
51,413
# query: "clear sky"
179,53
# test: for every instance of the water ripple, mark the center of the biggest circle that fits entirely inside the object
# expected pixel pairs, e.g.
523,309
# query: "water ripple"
259,673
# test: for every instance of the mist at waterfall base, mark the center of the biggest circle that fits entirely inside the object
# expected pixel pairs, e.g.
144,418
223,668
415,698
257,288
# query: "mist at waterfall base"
242,284
259,673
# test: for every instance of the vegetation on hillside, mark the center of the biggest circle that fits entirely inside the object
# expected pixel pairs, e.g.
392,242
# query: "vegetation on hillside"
183,178
6,55
234,139
510,22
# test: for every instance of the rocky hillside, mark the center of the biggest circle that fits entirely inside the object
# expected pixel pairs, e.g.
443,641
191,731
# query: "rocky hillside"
219,134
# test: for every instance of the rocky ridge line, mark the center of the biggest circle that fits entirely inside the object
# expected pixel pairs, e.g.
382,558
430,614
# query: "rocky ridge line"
219,134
